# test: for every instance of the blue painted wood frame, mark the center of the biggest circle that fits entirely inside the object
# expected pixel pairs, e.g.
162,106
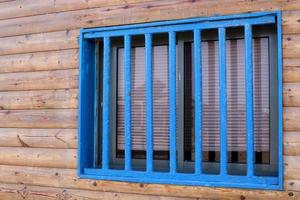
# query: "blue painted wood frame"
149,103
223,101
249,99
127,99
172,102
86,105
106,104
198,101
280,104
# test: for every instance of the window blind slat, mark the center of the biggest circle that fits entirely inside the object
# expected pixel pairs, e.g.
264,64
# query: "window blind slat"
160,96
236,99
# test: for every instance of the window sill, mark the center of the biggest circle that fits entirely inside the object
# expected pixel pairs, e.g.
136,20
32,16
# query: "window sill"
208,180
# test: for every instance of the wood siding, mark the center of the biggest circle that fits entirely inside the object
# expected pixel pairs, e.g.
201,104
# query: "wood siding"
39,92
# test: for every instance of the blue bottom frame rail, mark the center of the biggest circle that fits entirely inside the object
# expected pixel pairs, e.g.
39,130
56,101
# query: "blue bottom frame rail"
211,180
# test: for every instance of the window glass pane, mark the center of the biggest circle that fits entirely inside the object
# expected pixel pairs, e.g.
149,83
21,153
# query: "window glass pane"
236,100
138,113
236,110
210,101
261,100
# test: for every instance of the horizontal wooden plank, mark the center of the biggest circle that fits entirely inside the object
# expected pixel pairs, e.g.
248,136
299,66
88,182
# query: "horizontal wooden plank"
291,94
291,70
291,62
291,21
28,192
23,8
292,185
41,61
39,99
291,45
38,157
52,118
67,178
35,138
291,137
58,79
292,144
292,149
291,167
291,118
39,42
136,13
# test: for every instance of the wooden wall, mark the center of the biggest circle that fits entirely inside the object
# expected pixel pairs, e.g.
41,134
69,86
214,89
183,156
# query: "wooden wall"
39,92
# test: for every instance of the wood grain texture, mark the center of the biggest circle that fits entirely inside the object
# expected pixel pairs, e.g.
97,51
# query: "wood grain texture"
291,46
291,167
291,94
137,13
291,21
291,70
23,8
14,9
39,99
38,138
22,191
51,118
58,79
291,145
39,88
41,61
53,177
291,118
292,185
38,157
39,42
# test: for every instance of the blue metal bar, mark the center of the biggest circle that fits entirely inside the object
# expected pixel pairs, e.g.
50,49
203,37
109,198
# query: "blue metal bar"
198,101
223,101
127,79
186,179
106,104
249,99
149,121
184,27
280,129
86,105
172,100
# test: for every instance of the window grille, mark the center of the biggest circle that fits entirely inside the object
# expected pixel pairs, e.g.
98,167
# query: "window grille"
95,147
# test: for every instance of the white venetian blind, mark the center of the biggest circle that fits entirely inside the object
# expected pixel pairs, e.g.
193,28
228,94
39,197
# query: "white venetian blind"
160,99
236,113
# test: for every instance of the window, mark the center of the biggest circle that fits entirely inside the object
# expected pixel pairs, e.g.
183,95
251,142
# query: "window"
188,102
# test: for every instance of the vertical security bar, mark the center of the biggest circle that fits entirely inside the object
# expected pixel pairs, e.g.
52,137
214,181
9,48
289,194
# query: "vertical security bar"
198,101
223,101
106,103
249,99
127,79
149,121
172,100
279,74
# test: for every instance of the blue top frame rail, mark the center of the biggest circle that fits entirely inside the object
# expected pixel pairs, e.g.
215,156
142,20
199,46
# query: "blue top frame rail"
268,19
87,81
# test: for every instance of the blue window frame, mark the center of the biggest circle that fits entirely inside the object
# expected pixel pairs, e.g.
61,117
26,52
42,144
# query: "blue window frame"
89,103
